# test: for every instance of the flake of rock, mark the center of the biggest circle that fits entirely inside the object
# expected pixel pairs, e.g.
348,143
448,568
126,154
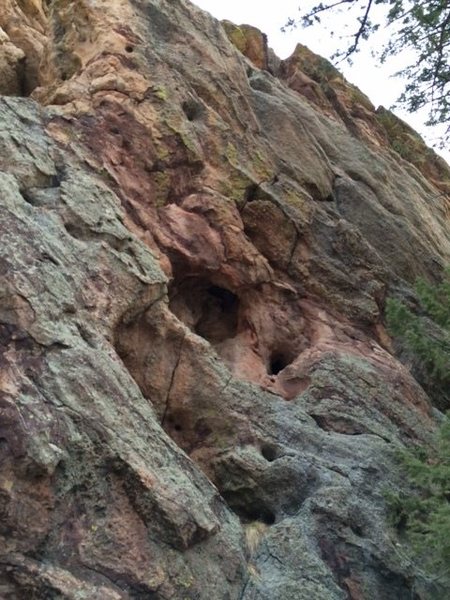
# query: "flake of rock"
198,396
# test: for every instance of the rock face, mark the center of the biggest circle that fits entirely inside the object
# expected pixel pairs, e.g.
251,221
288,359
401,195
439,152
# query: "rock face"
198,397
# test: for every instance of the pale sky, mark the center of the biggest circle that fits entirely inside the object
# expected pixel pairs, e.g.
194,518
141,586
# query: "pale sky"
374,80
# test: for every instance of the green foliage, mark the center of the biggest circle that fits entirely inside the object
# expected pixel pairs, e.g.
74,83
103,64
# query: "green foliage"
427,336
420,26
425,516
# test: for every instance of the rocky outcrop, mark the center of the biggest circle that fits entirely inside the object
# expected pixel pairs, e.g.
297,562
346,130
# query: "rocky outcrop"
249,41
324,86
198,396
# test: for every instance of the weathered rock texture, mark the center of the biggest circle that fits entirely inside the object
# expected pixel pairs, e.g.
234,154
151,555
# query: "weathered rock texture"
198,397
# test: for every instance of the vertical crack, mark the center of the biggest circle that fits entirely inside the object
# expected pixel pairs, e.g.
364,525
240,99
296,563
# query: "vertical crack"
293,249
172,379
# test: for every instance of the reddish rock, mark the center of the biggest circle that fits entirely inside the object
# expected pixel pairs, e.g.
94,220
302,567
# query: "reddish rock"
198,395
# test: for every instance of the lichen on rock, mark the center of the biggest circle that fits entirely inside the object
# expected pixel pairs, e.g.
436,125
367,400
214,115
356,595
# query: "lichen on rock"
198,395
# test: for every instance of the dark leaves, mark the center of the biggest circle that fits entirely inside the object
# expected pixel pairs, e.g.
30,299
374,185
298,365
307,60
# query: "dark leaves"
421,27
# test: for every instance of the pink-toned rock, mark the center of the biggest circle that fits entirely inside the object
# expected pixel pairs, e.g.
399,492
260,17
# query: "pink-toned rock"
198,395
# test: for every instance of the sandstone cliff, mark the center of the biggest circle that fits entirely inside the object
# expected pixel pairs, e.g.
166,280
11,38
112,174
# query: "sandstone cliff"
198,396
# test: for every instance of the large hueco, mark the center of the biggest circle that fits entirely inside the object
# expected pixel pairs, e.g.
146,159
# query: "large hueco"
198,395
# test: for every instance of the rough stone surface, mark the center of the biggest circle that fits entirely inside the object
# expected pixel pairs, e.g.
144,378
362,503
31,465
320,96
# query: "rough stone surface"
320,82
198,396
249,41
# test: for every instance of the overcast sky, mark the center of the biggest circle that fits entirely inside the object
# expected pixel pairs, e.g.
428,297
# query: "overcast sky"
270,15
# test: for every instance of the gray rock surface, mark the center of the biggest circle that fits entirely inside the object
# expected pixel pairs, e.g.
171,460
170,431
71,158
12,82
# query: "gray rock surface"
198,397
